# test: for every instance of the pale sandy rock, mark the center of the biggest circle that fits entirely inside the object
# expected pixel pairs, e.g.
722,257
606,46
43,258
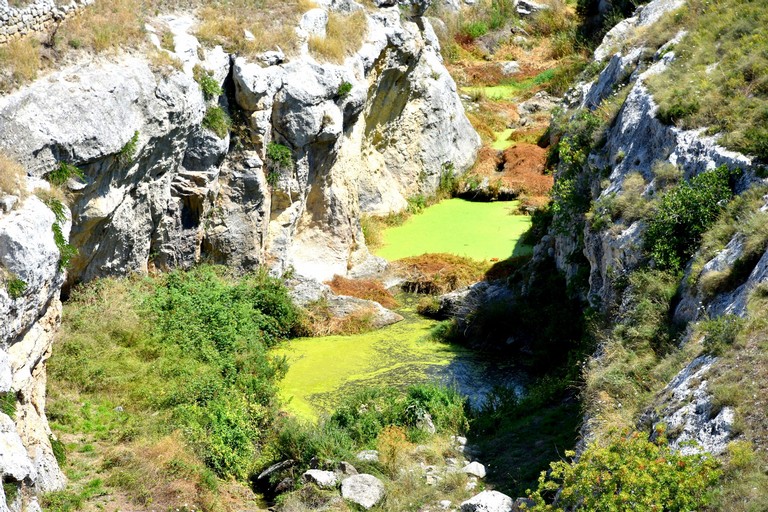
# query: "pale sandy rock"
488,501
365,490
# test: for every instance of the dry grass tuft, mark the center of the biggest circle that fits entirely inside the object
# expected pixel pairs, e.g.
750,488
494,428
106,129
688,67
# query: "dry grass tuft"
20,61
320,320
271,22
105,26
12,177
439,273
343,35
368,289
524,168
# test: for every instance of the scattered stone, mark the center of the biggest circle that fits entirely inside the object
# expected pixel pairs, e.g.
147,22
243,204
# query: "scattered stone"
471,484
474,468
365,490
510,67
345,468
324,479
248,35
368,456
445,504
285,485
488,501
528,7
8,202
460,440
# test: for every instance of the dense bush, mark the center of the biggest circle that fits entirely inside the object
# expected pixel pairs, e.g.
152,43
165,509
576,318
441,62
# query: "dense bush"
629,473
217,120
279,160
683,215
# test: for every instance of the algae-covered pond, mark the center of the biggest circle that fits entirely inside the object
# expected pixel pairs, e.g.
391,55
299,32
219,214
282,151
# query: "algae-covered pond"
324,369
478,230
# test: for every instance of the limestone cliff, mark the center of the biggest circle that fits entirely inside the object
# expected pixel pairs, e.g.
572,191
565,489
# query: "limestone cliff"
160,189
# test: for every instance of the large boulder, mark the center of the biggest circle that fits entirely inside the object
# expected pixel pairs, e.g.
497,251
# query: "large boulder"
488,501
365,490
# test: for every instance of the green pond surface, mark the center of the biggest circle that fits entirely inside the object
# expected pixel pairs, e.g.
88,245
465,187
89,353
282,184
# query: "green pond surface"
324,369
481,231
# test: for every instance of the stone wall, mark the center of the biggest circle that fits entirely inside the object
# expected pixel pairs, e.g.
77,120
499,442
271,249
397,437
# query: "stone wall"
34,16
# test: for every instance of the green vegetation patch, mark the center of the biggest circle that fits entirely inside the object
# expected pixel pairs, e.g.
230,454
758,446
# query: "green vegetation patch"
719,78
480,231
502,142
396,355
183,352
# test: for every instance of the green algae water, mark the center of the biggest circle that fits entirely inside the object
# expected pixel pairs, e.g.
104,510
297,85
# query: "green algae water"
323,369
477,230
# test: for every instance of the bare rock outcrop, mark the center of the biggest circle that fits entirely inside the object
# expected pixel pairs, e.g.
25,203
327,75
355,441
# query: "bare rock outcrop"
29,317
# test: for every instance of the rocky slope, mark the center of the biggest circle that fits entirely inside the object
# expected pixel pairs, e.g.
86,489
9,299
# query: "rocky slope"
161,190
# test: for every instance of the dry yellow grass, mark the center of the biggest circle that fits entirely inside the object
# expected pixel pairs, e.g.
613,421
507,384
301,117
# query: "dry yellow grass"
343,35
271,22
12,177
105,26
19,61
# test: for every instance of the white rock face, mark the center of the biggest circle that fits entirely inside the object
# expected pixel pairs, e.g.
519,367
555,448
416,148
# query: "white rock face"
685,407
488,501
324,479
365,490
27,325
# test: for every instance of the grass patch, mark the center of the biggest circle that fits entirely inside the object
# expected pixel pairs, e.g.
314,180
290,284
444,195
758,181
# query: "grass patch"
344,34
719,78
21,60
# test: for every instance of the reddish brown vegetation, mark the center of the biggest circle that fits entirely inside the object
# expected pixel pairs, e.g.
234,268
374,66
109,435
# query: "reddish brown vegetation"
439,273
369,289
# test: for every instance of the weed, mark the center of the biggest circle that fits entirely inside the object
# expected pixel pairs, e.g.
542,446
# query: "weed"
208,84
15,287
391,444
8,402
279,161
22,58
128,151
66,251
369,289
217,120
344,89
11,491
720,332
63,173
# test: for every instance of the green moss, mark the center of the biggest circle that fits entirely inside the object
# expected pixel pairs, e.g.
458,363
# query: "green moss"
502,141
479,231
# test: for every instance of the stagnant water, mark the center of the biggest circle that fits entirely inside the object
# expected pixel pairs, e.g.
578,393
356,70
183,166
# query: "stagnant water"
324,369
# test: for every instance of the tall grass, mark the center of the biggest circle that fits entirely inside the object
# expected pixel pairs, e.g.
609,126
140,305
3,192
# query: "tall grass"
344,34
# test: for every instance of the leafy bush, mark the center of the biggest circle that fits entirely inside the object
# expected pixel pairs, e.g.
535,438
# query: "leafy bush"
63,173
217,120
683,215
208,84
629,473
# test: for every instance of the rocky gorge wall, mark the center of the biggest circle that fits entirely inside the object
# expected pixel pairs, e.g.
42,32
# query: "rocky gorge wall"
635,142
160,190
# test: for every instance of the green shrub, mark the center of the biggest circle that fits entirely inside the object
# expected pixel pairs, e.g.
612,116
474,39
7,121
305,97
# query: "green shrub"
474,29
683,215
629,473
11,490
15,287
208,84
279,160
217,120
59,451
127,152
66,250
720,332
344,89
63,173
